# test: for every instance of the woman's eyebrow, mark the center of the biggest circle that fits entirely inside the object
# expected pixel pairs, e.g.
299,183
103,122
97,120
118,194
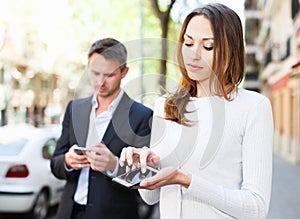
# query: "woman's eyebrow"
204,39
188,36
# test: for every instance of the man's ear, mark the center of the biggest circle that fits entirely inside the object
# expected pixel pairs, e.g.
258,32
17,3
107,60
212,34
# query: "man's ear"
124,72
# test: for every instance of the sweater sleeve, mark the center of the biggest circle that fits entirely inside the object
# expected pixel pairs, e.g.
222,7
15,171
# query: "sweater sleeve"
253,198
153,196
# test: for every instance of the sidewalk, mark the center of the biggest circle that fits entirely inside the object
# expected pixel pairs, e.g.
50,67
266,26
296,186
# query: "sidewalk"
285,199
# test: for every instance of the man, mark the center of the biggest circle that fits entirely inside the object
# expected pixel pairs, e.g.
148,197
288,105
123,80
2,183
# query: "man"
103,123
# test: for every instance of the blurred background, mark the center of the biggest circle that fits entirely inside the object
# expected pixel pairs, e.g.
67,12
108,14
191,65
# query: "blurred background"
43,55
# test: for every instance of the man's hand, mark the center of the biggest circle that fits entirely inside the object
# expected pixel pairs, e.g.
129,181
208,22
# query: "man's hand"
101,158
74,160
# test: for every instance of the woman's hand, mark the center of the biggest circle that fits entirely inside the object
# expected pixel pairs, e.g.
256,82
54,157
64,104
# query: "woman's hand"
139,157
166,176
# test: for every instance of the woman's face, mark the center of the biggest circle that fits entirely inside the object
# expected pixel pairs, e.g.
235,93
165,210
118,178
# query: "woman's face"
198,48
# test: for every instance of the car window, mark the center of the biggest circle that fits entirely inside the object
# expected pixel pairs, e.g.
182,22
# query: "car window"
11,146
48,148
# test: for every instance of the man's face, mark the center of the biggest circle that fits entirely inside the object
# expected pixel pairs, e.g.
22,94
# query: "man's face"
105,75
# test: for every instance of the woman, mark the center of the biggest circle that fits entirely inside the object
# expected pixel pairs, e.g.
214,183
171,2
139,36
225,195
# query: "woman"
211,139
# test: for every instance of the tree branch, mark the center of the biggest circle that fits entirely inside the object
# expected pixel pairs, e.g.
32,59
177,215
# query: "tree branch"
162,15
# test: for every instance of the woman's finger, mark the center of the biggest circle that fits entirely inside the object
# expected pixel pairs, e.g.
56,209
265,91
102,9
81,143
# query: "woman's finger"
123,156
144,152
128,156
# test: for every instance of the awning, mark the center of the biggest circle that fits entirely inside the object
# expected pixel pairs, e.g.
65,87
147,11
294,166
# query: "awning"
276,70
285,68
271,69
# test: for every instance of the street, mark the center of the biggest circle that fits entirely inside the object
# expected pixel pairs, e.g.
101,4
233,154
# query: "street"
285,197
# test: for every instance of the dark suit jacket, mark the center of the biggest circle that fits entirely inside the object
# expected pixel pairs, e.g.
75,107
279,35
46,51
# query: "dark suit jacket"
130,125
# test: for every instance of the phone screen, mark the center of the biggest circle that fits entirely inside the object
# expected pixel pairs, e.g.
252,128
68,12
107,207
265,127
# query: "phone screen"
134,177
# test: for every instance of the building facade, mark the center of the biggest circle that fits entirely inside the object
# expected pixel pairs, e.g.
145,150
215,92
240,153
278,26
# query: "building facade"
278,55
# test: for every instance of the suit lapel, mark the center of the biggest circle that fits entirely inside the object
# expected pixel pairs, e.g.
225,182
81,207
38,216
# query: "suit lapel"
80,114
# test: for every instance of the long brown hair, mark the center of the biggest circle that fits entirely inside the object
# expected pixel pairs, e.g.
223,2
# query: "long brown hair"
228,59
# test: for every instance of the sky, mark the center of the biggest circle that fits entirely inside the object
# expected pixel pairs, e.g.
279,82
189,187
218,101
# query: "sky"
236,5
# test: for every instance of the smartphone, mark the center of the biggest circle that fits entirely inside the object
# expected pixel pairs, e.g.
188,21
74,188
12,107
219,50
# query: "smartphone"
80,150
134,177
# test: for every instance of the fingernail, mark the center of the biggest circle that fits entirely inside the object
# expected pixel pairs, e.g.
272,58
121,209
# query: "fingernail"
143,170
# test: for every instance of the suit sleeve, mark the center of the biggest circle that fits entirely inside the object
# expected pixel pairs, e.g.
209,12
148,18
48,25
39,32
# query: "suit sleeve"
62,146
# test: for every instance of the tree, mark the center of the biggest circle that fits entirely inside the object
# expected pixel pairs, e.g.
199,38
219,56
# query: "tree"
164,17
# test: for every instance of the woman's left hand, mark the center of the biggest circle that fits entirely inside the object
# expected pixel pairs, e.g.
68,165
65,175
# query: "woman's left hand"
166,176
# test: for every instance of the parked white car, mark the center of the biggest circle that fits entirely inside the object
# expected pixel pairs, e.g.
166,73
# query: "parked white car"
26,181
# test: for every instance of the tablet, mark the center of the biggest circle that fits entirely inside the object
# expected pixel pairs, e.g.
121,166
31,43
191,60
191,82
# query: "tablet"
134,177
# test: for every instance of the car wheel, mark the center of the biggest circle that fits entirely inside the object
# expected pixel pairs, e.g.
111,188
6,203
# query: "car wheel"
144,210
40,208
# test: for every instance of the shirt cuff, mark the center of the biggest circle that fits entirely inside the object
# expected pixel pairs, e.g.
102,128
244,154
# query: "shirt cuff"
66,168
114,173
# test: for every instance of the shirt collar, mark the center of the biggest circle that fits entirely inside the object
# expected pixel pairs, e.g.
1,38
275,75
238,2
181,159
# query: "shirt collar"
113,105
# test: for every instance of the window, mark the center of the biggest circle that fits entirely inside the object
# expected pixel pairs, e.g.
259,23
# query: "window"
48,148
295,8
11,146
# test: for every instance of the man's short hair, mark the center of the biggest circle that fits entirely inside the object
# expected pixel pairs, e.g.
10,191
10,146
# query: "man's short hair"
111,49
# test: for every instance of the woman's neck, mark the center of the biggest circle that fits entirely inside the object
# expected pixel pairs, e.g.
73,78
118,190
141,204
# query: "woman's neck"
203,89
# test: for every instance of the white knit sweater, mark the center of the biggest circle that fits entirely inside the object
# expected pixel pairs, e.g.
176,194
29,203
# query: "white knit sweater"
228,151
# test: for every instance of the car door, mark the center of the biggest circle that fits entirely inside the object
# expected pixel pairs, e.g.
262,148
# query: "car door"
55,184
